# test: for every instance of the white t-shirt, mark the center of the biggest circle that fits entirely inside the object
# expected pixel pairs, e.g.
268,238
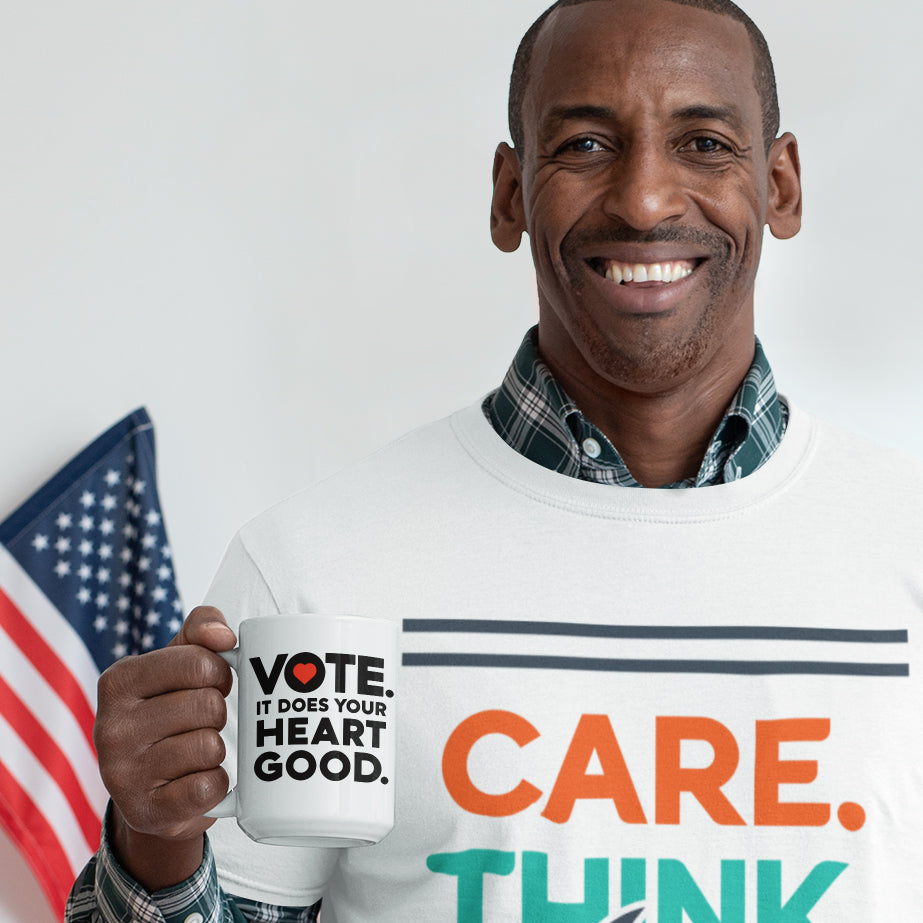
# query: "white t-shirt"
700,705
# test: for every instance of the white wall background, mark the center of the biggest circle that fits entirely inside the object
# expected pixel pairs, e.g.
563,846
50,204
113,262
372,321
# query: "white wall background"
267,222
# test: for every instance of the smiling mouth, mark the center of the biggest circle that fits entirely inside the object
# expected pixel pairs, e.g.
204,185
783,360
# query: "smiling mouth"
621,273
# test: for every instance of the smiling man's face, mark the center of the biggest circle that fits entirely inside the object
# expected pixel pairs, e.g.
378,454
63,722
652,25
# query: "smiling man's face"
644,186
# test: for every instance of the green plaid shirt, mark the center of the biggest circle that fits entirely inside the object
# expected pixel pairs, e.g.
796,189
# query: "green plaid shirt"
534,415
104,893
536,418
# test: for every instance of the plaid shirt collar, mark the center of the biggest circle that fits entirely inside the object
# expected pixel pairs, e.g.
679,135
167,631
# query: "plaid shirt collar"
531,412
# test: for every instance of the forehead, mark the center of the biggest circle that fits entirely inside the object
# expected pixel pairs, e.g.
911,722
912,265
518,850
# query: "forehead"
655,54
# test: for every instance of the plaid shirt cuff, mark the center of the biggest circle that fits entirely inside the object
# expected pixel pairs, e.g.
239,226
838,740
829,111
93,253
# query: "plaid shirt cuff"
105,891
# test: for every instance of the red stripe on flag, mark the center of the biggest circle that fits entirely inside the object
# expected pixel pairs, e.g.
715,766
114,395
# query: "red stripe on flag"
47,662
35,838
50,755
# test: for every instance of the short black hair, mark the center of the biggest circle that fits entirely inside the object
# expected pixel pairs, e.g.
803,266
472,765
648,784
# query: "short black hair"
764,74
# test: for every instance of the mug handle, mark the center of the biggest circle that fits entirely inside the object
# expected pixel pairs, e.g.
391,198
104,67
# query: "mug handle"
227,807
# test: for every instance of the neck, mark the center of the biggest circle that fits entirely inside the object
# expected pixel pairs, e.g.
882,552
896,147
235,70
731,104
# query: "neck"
661,434
662,440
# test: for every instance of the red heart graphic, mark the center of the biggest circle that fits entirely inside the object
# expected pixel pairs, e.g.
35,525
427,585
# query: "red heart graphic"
304,672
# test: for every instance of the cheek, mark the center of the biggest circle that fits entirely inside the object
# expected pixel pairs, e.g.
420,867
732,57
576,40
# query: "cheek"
557,203
545,236
738,214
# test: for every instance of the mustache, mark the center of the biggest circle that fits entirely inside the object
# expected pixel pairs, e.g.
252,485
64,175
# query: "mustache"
583,239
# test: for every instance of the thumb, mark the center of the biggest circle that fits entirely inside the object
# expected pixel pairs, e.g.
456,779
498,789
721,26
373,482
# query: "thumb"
207,627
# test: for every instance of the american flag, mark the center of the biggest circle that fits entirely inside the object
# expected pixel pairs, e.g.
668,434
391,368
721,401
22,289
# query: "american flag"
86,577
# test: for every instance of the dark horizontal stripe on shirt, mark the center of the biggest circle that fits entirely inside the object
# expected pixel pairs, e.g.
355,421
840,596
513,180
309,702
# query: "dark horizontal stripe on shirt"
603,665
659,632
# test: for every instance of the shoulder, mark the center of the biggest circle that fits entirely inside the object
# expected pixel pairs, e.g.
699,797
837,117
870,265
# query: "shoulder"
864,458
410,478
856,473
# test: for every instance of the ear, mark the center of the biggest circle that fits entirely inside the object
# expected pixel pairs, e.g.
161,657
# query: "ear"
784,206
507,219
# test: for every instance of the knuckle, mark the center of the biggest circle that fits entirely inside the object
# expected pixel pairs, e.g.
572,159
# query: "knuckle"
213,707
105,682
202,669
203,749
112,737
208,788
103,738
113,682
215,749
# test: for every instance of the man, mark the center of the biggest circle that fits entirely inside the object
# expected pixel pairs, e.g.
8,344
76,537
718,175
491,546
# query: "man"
616,703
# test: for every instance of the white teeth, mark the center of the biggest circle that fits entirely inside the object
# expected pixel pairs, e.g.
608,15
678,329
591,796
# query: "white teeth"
647,272
614,273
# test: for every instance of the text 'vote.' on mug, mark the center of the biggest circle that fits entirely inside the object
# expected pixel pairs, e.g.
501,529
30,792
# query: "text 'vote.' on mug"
316,729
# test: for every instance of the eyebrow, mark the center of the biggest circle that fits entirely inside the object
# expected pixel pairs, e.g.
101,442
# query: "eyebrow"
730,115
560,114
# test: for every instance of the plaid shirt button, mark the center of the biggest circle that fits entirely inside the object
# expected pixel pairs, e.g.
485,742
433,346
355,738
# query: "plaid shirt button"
592,447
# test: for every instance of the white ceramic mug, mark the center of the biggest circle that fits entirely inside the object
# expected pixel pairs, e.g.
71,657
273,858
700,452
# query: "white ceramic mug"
316,726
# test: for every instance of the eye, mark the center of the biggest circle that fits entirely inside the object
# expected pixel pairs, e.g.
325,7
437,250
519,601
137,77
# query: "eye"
705,144
582,145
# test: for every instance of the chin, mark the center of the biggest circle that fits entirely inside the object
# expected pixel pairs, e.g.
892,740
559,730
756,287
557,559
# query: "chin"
646,361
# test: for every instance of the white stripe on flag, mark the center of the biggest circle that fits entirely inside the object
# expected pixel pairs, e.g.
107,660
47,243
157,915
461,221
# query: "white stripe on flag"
57,631
31,775
55,717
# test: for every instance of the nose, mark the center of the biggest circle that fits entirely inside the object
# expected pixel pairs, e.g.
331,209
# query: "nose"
644,189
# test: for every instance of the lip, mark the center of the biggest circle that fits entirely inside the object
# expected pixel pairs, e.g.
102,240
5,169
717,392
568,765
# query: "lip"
644,253
644,297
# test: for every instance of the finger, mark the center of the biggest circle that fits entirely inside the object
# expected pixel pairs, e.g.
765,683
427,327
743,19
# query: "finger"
175,809
162,671
129,733
206,626
184,754
191,795
179,712
133,780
